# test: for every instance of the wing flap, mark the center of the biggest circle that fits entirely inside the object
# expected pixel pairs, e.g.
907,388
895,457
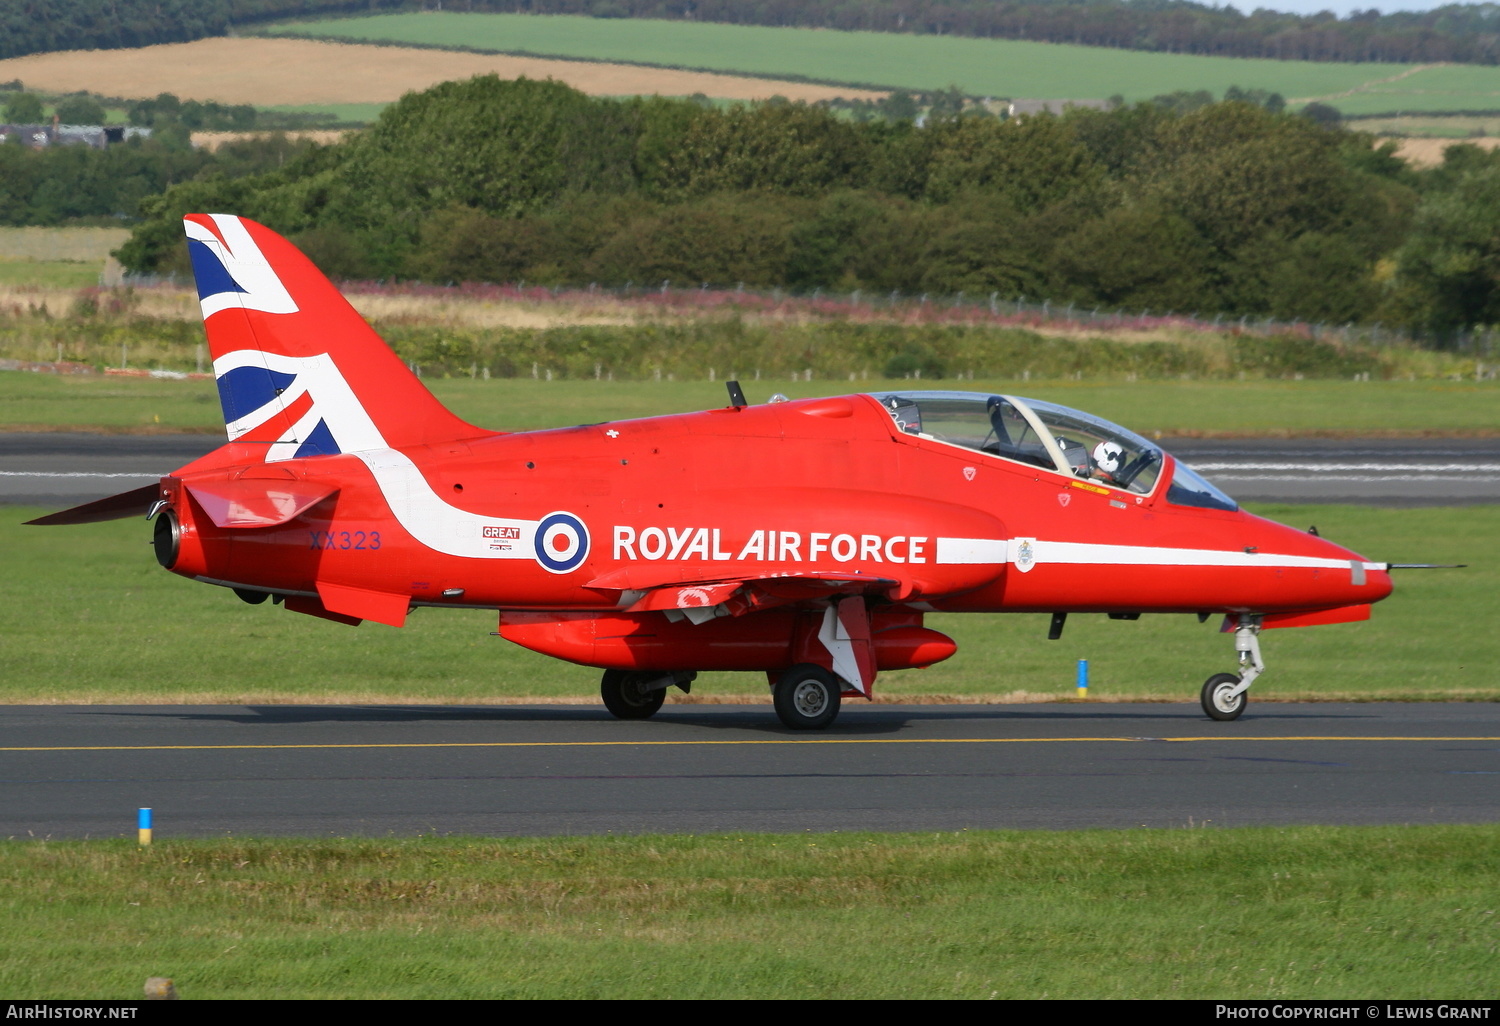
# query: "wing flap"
702,599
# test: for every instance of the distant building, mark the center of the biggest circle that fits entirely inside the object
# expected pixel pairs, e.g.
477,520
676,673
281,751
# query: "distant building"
39,137
1052,106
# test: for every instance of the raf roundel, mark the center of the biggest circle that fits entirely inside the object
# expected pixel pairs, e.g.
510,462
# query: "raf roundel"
562,542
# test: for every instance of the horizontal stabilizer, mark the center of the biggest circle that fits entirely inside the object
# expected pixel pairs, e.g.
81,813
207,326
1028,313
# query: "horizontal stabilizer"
257,502
136,503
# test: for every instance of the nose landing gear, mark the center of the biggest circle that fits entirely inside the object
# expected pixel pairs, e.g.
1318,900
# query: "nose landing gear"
1225,695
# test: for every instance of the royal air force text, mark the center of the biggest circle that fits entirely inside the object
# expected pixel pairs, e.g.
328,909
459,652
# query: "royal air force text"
708,544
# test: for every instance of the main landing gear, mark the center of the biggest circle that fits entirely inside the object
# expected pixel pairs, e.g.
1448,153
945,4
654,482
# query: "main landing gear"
1225,695
807,697
638,694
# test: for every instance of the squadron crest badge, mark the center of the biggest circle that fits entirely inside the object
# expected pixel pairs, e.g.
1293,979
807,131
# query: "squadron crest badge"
1025,554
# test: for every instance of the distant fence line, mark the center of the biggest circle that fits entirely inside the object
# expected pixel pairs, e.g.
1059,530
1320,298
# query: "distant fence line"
959,308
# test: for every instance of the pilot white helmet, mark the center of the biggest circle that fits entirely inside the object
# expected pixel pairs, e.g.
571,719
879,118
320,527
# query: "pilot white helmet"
1109,456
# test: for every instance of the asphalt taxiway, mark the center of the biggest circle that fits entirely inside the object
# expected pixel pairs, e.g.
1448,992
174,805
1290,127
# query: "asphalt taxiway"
79,771
61,469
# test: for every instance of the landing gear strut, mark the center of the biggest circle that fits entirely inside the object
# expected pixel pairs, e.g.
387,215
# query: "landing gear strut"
1225,695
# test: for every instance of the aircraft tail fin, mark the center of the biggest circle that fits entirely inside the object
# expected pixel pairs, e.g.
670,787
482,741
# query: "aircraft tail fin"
300,372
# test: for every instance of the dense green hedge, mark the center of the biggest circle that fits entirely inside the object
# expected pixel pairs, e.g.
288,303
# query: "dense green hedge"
70,185
1229,208
102,327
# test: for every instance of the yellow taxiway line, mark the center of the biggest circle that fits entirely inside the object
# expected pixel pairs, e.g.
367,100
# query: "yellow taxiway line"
665,744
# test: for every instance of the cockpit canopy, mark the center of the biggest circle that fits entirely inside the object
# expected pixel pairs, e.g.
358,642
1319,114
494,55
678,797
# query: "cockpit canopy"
1052,437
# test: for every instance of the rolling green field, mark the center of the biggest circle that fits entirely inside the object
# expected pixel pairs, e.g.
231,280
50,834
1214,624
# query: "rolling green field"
1274,408
1456,127
49,274
1304,912
1004,68
109,625
55,258
345,113
85,245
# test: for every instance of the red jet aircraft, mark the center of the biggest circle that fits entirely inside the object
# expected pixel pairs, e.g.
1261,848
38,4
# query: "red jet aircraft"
803,538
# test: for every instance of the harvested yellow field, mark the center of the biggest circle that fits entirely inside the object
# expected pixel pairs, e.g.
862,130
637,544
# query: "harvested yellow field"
213,140
276,72
1429,152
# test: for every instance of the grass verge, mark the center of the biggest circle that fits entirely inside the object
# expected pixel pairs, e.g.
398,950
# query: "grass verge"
1265,408
91,618
1255,913
49,274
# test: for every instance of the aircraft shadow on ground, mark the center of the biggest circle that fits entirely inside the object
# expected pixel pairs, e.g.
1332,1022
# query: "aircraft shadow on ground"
854,721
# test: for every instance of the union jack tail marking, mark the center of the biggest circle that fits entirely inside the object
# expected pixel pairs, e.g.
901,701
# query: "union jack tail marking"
299,371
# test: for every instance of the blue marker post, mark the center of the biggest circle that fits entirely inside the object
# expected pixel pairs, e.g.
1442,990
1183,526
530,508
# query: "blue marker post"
1083,678
143,826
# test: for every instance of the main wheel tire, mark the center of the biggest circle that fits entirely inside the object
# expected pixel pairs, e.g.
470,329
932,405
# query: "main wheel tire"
807,697
1216,700
626,697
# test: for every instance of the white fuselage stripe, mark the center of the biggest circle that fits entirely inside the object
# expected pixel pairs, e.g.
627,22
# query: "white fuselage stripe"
1312,467
1090,554
435,523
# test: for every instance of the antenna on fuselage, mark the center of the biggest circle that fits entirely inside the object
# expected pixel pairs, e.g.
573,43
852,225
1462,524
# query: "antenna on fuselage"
736,394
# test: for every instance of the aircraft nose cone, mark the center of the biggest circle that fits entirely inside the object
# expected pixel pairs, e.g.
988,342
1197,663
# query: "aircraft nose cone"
1367,581
1320,573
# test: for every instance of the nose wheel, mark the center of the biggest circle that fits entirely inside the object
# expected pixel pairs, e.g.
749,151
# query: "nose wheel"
1221,698
1225,695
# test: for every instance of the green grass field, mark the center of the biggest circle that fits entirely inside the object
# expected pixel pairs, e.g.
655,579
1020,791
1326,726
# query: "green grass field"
49,274
1306,912
1268,408
91,618
87,245
56,258
345,113
1004,68
1456,127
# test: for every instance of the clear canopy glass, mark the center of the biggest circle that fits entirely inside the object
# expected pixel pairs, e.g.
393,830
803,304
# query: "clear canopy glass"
1049,436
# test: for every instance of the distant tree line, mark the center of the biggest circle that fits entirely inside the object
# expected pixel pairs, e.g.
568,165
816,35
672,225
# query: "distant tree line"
72,185
43,26
1468,33
1227,208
